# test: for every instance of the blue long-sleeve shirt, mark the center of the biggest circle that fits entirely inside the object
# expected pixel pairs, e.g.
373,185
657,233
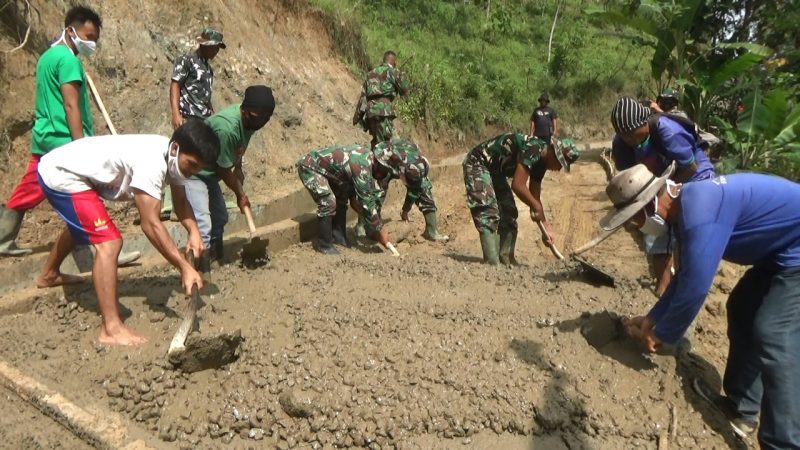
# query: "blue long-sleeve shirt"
676,144
746,218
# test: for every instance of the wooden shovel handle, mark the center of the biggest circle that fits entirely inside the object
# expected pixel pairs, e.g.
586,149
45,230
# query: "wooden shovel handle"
553,248
249,216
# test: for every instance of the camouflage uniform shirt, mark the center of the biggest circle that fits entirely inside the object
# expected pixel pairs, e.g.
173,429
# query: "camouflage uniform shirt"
350,166
502,153
419,189
196,78
382,85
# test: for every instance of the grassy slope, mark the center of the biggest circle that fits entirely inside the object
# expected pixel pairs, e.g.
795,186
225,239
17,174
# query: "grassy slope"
470,71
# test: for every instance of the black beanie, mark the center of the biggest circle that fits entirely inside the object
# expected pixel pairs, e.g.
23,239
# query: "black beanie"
259,97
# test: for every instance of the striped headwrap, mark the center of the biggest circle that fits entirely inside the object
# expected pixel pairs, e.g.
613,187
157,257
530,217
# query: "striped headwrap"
628,115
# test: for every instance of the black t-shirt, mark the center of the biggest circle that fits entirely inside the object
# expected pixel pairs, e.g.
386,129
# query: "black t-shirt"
542,118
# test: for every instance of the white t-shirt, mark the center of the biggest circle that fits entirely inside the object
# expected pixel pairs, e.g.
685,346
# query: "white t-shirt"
111,165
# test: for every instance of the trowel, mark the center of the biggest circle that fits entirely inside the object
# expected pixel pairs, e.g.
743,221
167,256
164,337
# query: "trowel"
589,270
254,253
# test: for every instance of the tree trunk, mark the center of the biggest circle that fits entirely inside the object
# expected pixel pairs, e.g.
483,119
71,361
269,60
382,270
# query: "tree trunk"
552,30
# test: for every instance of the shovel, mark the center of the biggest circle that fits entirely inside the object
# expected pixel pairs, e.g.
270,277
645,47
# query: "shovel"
589,270
254,253
192,352
178,344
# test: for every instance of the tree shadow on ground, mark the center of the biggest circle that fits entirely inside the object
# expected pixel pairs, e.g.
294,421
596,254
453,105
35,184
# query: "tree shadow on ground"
464,258
157,291
554,422
689,366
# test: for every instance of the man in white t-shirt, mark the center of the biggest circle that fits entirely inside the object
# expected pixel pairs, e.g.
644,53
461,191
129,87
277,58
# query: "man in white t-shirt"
76,176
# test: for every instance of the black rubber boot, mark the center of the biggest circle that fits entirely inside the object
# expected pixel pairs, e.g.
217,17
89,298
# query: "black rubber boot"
508,240
204,263
10,222
490,244
324,243
339,232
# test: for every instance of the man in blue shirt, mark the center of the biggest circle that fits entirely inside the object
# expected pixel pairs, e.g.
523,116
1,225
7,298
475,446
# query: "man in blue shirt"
747,219
656,141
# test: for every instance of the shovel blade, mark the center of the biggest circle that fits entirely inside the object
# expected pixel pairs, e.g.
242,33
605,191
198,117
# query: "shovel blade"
254,253
594,274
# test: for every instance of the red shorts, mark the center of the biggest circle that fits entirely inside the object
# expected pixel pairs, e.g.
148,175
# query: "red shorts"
85,215
28,193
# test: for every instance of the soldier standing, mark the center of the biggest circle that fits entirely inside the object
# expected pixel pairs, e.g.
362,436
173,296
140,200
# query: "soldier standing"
486,168
191,87
336,174
376,109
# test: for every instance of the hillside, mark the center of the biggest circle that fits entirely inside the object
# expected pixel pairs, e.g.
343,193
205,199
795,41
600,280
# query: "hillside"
283,44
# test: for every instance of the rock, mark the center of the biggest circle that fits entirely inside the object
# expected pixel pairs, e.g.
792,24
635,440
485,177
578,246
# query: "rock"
114,391
292,121
296,403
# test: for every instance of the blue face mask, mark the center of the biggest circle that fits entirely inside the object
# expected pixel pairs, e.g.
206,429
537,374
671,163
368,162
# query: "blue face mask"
643,145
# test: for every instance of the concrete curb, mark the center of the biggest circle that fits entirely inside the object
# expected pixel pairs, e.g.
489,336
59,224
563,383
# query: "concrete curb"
101,429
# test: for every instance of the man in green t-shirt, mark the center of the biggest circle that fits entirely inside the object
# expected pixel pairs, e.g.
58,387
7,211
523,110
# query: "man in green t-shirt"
234,126
62,115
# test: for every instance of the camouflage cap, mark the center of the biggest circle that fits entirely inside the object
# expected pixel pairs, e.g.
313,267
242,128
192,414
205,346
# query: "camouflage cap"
394,155
210,36
566,152
668,92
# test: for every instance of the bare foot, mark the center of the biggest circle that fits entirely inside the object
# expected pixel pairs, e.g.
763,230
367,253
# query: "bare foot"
122,335
59,279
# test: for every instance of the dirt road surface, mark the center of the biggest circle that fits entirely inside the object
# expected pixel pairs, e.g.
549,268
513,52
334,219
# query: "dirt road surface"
429,350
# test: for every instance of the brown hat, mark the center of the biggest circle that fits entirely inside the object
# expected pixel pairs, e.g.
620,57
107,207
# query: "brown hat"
629,191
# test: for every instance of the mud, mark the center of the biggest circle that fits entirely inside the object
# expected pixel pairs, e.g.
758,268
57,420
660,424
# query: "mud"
207,352
23,427
429,350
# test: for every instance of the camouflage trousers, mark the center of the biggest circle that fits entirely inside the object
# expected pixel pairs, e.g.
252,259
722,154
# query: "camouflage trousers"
328,196
381,129
489,198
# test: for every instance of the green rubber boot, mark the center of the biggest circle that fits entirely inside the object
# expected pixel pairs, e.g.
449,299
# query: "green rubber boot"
508,240
10,222
432,230
490,244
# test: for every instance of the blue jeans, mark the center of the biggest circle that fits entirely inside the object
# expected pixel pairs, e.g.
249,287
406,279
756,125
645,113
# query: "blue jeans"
208,205
763,369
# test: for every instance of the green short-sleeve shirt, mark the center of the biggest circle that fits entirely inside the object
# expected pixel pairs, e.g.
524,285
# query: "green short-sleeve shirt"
233,136
56,67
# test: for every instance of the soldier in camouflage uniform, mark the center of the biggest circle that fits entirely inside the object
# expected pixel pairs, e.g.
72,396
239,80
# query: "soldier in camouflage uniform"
191,87
334,175
375,111
419,189
490,199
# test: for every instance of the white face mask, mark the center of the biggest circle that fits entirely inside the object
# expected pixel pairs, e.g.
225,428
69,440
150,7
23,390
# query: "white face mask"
654,225
172,166
85,48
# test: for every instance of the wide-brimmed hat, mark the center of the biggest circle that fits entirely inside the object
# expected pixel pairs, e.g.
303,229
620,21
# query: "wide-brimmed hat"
629,191
210,36
566,152
394,155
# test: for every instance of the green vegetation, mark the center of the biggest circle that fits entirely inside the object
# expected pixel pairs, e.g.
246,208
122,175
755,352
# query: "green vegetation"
480,62
736,62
